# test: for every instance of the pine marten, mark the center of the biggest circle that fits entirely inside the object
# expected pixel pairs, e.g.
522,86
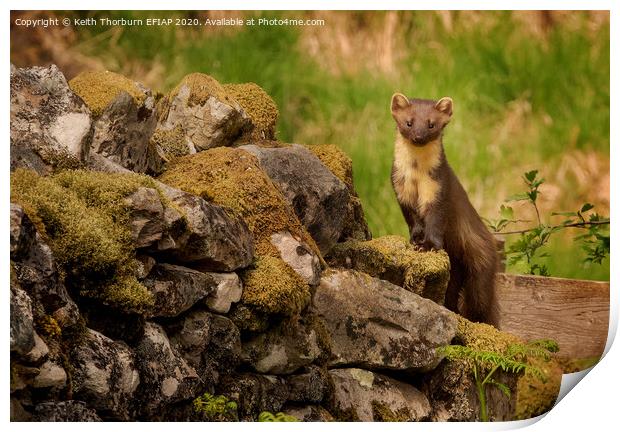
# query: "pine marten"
437,209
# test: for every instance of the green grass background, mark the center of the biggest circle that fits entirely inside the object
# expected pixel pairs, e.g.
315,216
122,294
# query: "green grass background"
522,100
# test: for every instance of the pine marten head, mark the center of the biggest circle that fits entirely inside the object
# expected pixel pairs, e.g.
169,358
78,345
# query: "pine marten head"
421,120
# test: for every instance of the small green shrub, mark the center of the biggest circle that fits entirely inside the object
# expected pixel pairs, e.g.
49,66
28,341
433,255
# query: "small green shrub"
216,408
266,416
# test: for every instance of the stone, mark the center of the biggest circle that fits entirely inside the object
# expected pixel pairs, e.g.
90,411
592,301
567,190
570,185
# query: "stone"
361,395
213,239
124,120
175,289
254,393
308,413
228,291
377,325
144,265
65,411
208,116
209,343
394,259
105,375
22,326
286,348
35,269
299,256
146,214
50,125
39,352
165,377
50,375
259,106
319,198
312,386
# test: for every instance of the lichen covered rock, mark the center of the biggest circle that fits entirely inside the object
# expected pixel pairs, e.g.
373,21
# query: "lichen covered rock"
254,393
298,256
377,325
259,106
361,395
65,411
392,258
209,116
233,178
104,375
320,200
50,126
124,119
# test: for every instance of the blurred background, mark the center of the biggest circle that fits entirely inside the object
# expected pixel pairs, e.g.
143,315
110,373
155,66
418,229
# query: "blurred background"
530,88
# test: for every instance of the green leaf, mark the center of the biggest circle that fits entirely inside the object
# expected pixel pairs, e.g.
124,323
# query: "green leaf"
506,212
518,197
586,207
503,387
531,175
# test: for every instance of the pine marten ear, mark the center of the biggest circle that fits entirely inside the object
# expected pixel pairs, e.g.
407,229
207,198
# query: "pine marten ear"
444,105
399,102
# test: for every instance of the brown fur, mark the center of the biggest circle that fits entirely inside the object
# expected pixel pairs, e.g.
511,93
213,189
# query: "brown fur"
437,209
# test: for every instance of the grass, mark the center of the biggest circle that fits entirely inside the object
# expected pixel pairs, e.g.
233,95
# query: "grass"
525,96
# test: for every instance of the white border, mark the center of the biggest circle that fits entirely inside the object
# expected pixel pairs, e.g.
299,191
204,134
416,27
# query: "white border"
592,405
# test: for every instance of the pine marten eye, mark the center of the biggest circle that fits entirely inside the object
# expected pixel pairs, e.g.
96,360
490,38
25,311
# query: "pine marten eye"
431,124
409,123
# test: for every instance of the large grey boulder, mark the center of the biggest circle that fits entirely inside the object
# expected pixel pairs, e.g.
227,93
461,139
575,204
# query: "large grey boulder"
377,325
124,120
206,114
208,342
104,375
286,348
165,377
50,126
362,395
318,197
65,411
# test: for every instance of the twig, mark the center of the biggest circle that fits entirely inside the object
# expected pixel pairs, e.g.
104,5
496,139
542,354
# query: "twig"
571,225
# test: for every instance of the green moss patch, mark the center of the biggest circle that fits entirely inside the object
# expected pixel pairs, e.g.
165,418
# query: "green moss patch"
233,178
259,106
534,395
382,413
273,287
172,142
201,88
392,258
99,88
84,219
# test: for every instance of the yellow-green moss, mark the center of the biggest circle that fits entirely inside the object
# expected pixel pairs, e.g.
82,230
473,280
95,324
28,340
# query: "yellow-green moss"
336,161
394,259
201,88
172,142
273,287
575,365
83,217
48,327
382,413
99,88
259,106
233,178
534,395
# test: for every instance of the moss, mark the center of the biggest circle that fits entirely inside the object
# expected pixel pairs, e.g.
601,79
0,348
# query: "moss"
172,142
48,327
382,413
99,88
84,219
259,106
576,365
246,318
201,88
273,287
336,161
233,178
392,258
534,395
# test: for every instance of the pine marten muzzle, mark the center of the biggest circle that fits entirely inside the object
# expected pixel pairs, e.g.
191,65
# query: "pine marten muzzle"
437,209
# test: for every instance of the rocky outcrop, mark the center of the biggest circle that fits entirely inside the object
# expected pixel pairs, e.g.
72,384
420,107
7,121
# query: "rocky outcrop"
377,325
241,280
50,126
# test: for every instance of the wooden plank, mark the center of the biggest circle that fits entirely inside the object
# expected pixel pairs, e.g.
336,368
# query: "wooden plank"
574,313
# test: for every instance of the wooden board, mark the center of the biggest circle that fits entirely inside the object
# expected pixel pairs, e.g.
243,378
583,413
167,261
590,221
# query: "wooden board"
574,313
